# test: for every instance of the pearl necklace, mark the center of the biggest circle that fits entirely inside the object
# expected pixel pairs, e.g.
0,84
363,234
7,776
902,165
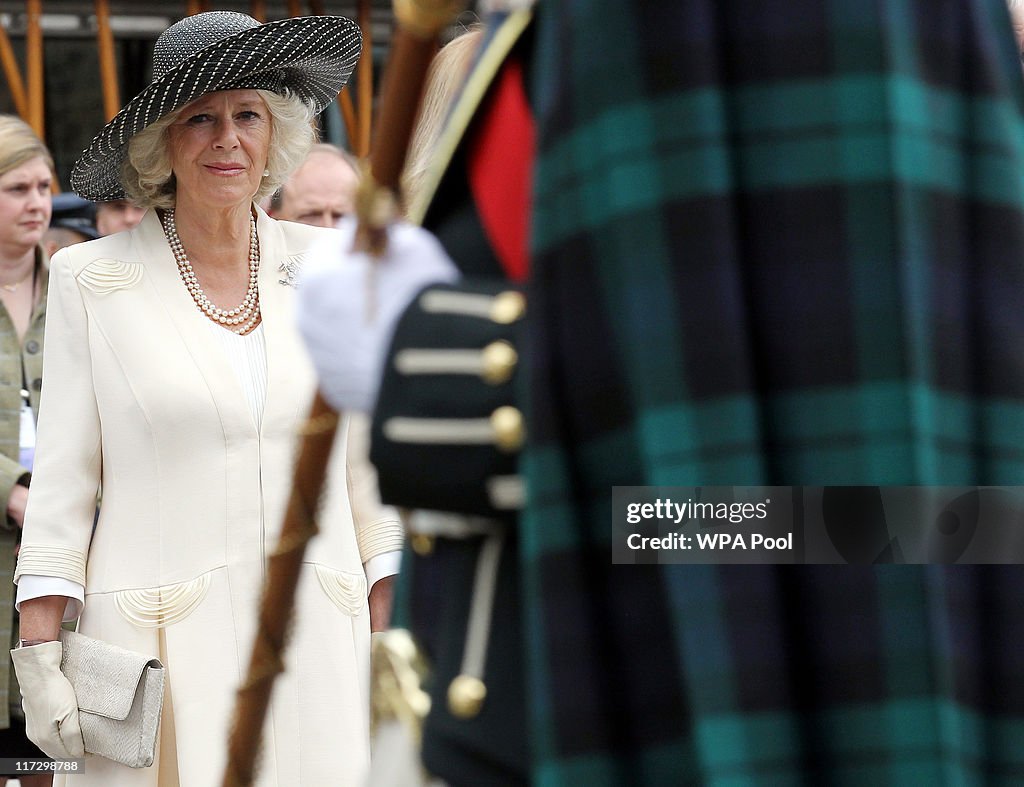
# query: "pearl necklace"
242,318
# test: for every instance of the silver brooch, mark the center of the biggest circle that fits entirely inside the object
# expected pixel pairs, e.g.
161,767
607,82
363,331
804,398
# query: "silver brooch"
290,267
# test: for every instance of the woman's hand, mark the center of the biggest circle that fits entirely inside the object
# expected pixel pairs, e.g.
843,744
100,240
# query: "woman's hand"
41,617
51,707
16,503
380,603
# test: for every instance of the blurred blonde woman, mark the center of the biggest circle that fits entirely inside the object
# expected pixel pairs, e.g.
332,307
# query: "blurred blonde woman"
447,72
26,177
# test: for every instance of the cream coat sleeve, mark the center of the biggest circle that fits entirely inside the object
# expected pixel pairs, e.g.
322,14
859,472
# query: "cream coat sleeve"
378,527
62,502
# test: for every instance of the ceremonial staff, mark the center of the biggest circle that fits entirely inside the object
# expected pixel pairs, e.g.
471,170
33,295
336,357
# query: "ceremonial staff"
415,41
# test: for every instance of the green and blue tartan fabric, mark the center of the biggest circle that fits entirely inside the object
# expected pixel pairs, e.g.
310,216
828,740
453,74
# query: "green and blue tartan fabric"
774,244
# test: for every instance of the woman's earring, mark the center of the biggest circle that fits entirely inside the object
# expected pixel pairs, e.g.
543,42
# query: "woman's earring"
266,173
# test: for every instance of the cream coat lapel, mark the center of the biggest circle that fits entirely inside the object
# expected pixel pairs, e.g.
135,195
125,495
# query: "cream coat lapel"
191,326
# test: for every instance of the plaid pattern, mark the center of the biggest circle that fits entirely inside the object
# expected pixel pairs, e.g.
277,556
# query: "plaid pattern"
774,243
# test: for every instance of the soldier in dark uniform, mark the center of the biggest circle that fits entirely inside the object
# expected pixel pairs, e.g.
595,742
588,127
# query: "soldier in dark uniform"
764,244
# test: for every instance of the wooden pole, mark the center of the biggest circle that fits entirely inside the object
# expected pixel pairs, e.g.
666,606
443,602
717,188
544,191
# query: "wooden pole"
108,65
294,8
258,10
283,570
13,74
34,67
348,114
318,435
316,7
412,48
364,74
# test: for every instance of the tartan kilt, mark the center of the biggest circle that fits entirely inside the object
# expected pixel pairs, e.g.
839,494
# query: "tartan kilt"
773,244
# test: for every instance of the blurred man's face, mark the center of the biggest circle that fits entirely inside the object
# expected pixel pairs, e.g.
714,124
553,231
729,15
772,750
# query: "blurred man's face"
56,238
320,192
117,216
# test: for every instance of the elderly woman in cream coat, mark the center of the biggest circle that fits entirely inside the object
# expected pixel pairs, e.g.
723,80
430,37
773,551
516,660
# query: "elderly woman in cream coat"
177,382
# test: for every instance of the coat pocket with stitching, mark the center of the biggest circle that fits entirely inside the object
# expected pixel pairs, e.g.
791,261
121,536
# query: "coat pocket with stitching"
162,606
346,589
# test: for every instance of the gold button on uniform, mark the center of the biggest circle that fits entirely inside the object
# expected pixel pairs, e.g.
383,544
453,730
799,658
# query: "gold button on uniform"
508,307
509,430
422,545
499,362
466,696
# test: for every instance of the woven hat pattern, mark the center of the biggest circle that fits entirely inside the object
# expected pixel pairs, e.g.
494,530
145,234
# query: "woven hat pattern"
310,57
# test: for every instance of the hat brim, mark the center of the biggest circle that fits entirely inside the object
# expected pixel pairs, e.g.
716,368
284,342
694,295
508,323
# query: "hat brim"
314,54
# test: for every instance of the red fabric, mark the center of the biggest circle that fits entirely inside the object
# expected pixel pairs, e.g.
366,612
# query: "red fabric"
501,171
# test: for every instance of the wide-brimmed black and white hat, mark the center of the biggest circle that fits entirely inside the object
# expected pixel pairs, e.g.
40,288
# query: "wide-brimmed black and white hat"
310,57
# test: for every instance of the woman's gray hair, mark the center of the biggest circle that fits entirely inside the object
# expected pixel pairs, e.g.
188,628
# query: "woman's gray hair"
147,176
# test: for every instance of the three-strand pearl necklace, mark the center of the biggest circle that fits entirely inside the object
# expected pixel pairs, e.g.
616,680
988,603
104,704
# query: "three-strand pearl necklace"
242,318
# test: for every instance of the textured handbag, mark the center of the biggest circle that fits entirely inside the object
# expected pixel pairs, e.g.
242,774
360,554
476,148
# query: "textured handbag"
120,695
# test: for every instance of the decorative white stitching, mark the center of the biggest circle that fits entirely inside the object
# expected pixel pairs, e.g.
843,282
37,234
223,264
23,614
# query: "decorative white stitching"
104,276
345,589
162,606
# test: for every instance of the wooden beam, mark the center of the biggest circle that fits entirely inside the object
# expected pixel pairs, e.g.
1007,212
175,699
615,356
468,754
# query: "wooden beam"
258,10
108,63
294,8
364,73
34,67
348,114
13,74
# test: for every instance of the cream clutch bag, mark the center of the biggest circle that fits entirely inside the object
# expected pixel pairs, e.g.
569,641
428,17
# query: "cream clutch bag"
120,696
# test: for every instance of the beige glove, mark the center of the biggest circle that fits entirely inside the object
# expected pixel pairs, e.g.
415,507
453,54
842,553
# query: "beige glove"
51,708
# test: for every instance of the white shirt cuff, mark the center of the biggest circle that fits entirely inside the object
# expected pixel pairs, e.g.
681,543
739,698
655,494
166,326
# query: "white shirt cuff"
33,586
381,566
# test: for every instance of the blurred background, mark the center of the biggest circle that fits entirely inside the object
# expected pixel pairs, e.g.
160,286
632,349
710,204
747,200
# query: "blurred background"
66,67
